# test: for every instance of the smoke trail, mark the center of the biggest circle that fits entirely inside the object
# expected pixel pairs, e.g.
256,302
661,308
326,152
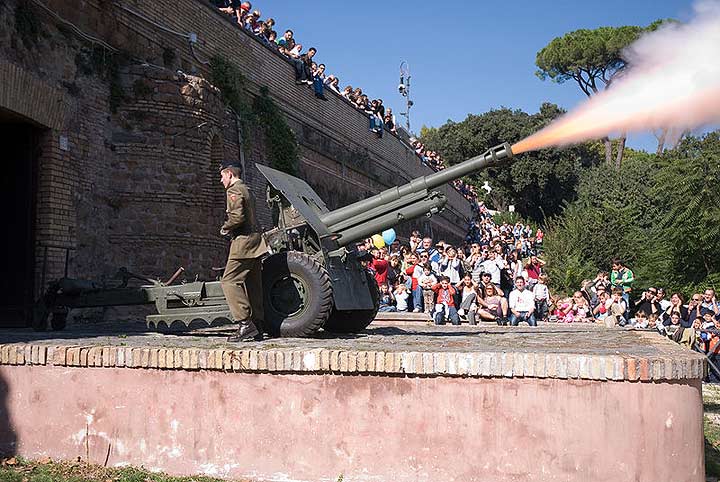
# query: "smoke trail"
672,82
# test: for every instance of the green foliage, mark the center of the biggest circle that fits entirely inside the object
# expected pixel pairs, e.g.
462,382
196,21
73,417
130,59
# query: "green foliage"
227,77
537,183
21,470
589,57
659,214
281,144
96,60
27,24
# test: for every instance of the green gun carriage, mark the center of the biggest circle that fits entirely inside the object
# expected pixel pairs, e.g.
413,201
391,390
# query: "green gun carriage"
313,277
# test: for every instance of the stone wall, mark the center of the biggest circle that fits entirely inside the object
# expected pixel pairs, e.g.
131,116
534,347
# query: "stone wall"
127,174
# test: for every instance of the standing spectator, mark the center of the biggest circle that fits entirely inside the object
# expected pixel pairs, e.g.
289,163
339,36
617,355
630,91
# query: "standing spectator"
491,266
522,304
534,270
379,266
542,296
427,281
622,277
451,266
414,271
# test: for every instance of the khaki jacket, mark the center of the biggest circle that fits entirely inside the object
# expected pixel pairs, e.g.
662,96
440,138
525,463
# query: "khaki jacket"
247,241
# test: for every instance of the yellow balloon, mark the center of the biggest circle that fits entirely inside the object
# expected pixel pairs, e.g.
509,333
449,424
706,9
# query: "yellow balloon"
378,241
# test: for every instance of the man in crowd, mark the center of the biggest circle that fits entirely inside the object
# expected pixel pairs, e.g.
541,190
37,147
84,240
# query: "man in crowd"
648,304
522,304
622,278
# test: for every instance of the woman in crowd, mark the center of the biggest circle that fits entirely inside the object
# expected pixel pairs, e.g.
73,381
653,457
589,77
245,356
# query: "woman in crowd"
676,306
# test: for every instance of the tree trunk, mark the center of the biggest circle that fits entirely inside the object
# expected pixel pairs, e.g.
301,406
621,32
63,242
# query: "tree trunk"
608,149
661,141
621,150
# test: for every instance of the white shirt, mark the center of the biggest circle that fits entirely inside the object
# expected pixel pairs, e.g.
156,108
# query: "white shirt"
541,291
490,266
401,301
522,300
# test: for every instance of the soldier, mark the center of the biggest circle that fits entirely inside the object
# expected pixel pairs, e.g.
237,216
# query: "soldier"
242,279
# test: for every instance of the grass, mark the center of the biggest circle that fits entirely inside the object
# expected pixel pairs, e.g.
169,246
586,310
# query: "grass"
17,469
711,402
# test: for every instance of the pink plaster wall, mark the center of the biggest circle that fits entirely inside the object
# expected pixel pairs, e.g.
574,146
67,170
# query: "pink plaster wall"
316,427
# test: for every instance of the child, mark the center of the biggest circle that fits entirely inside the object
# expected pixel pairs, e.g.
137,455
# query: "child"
615,307
640,322
445,306
581,309
387,300
401,297
426,281
542,295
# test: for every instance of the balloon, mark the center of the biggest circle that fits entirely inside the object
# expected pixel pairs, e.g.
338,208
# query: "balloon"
378,241
389,236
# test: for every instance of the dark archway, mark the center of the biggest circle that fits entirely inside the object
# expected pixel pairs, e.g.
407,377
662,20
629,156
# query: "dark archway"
19,152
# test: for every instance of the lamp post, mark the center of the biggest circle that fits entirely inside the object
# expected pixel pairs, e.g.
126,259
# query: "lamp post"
404,90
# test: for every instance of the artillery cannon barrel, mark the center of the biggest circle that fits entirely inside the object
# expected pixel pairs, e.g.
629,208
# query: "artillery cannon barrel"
489,158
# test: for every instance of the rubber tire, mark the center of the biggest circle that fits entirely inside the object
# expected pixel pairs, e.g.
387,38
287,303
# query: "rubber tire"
319,293
355,321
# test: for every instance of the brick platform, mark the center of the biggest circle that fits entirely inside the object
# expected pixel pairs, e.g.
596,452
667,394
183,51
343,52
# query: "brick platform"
405,401
392,347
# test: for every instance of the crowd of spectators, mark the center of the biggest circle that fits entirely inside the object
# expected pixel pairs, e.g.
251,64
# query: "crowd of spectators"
313,74
494,276
307,70
610,299
433,160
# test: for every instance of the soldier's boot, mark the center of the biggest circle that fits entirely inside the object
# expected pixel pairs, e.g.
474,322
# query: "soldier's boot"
247,331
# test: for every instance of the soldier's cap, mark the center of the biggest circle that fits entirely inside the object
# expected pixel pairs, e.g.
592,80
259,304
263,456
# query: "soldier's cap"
228,164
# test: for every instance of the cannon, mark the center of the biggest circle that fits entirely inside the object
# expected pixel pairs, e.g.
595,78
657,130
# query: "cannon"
313,277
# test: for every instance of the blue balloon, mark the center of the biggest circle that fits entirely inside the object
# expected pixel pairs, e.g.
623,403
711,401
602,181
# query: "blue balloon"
389,236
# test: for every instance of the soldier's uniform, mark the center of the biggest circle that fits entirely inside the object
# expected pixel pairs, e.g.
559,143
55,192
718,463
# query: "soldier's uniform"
242,279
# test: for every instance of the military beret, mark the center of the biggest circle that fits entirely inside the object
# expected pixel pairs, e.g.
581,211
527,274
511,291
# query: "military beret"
228,164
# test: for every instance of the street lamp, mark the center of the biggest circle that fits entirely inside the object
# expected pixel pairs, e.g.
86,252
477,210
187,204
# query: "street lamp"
404,90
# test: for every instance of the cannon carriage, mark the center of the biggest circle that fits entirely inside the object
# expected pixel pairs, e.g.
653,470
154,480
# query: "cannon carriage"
313,277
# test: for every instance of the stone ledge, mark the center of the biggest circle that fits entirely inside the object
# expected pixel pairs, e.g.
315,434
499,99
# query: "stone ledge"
360,362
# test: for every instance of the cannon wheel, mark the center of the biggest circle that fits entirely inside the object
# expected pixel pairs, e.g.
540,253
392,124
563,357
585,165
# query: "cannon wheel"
297,295
355,321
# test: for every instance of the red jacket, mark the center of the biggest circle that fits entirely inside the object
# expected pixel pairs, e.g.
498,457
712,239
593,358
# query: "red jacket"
381,269
409,271
445,296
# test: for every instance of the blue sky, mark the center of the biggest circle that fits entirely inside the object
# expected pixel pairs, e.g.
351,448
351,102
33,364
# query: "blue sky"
465,56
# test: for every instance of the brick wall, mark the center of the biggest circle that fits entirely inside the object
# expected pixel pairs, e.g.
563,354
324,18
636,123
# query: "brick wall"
139,187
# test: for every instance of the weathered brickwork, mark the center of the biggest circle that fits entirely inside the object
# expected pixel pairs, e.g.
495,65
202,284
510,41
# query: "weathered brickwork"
138,187
357,362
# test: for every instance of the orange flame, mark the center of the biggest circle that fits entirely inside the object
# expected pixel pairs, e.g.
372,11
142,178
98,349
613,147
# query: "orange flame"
674,82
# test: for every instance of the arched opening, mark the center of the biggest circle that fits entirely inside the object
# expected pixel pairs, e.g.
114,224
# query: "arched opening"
18,183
